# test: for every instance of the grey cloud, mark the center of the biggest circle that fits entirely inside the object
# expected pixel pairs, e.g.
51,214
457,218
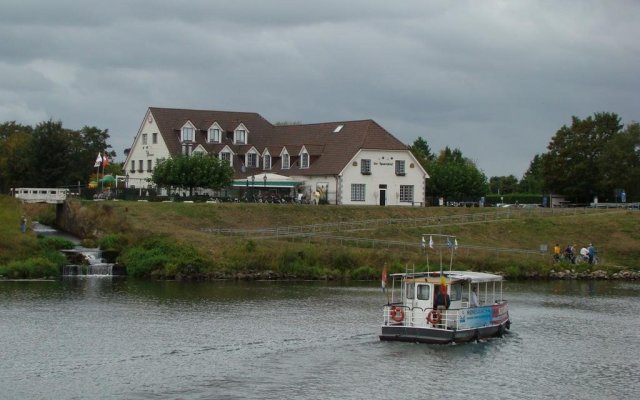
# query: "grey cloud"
495,79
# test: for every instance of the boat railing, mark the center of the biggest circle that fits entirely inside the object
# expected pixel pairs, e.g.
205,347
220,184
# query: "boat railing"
398,314
403,315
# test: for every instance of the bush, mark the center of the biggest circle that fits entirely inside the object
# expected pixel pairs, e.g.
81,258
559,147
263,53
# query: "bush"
46,265
365,273
115,242
161,257
55,243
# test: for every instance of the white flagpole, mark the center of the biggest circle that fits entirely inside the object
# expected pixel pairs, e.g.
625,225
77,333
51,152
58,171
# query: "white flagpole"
98,162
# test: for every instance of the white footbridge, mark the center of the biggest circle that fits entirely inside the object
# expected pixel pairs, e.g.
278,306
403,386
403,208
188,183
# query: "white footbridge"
41,195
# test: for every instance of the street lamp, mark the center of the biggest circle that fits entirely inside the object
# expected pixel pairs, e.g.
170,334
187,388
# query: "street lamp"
253,187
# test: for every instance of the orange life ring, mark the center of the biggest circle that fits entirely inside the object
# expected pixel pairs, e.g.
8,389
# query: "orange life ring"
434,317
396,314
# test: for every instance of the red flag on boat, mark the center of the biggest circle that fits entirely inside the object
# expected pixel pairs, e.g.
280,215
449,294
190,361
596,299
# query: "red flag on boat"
384,277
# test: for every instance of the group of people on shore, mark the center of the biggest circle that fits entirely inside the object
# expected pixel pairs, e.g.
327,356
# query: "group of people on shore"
586,254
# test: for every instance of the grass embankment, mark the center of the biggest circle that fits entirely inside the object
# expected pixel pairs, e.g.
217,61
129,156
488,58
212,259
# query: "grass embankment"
23,255
169,240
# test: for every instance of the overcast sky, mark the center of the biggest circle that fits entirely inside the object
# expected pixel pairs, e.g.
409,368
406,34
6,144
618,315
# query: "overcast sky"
495,79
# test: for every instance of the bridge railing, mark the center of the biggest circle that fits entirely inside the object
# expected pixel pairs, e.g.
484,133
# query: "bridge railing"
41,195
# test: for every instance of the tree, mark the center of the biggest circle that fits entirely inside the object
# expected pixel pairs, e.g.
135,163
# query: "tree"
15,144
421,150
189,172
619,163
533,179
571,166
503,184
51,155
86,144
456,177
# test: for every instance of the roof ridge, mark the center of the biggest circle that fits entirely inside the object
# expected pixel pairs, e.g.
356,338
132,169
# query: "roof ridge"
328,123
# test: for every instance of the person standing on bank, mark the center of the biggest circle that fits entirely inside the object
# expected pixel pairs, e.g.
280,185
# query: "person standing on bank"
592,253
23,224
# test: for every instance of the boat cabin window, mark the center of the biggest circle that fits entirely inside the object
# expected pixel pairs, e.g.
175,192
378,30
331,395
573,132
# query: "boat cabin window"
410,287
455,292
424,292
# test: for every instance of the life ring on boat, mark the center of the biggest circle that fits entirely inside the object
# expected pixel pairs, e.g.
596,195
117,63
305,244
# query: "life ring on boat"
434,317
396,314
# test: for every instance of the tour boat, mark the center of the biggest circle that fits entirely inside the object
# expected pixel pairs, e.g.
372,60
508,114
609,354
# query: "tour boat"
417,309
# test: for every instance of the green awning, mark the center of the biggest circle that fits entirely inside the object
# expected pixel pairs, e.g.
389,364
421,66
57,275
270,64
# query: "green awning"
266,181
262,184
107,179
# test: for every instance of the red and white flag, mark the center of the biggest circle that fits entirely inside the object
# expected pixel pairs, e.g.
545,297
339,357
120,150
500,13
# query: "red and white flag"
98,161
105,160
384,277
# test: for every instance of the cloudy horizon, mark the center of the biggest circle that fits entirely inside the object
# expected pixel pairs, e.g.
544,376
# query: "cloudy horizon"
495,79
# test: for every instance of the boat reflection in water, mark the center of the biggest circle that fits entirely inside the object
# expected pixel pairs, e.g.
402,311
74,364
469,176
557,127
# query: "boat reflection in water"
444,306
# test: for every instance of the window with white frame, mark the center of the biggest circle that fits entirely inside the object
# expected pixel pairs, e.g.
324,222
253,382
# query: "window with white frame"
252,160
286,161
365,167
214,135
187,134
225,156
406,193
266,162
144,138
400,167
241,136
149,165
133,165
140,165
154,137
357,191
304,160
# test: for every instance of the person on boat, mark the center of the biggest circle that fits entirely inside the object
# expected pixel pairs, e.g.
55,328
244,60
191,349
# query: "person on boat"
442,299
474,298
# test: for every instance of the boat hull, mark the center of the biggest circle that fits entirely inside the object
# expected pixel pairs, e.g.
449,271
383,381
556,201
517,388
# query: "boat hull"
400,333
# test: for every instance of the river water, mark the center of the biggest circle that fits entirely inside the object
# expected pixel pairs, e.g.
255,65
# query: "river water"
120,338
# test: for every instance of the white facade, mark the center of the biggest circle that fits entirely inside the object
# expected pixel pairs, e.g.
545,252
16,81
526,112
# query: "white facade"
380,186
382,183
147,149
331,168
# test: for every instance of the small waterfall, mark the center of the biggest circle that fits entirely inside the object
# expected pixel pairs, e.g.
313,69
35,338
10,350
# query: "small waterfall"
86,262
83,261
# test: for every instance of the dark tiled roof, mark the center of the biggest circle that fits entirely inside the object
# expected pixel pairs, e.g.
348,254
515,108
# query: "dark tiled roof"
330,149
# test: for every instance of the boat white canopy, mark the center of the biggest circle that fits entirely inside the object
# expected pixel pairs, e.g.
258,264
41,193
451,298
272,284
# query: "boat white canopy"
474,277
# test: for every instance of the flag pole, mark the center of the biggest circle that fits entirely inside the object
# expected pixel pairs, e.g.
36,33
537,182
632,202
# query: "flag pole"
102,181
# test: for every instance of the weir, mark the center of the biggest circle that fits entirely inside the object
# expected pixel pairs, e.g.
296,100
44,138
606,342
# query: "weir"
86,262
83,261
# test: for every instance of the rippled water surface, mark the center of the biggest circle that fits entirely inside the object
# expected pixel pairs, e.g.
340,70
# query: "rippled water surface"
110,338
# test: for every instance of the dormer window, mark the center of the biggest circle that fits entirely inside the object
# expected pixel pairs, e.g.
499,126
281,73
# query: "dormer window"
286,161
304,160
225,156
187,133
266,161
240,136
252,160
214,135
